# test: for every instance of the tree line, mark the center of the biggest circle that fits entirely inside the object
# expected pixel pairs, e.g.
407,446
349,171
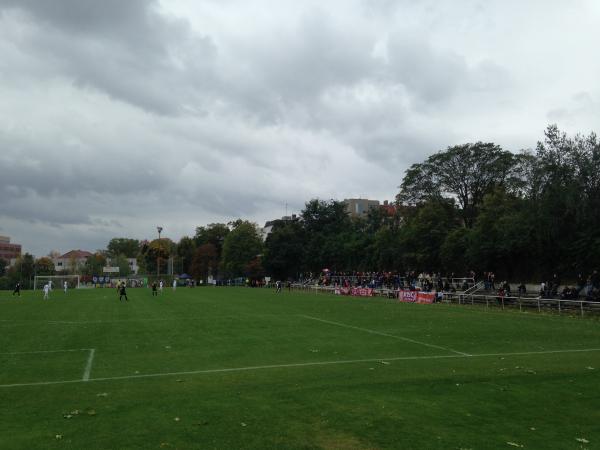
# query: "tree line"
473,206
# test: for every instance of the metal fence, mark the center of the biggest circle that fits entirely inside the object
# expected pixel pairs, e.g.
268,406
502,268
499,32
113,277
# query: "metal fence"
579,307
538,304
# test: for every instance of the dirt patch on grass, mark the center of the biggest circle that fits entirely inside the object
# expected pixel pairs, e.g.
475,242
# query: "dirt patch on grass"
340,441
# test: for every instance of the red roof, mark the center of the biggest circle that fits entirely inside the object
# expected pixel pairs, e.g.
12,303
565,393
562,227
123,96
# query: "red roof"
77,254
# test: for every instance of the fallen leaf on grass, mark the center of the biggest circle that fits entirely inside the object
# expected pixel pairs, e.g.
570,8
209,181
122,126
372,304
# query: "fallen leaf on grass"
176,419
179,381
91,412
75,412
582,440
102,394
532,428
514,444
243,424
384,362
67,416
590,368
314,350
58,436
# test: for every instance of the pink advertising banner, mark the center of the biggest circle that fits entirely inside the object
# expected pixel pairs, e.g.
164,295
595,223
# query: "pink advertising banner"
416,296
357,292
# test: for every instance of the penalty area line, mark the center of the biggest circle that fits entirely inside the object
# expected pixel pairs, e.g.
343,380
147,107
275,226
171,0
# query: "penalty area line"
379,333
35,352
303,364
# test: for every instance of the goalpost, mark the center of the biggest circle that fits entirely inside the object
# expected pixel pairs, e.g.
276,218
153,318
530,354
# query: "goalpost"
57,281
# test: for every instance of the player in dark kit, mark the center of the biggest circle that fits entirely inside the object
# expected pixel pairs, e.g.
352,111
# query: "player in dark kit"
154,292
17,289
122,293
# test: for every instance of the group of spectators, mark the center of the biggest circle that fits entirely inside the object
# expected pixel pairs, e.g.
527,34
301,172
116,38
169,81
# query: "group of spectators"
586,287
427,281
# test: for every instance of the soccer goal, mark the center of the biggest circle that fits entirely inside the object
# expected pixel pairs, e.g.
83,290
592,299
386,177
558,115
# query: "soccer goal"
57,281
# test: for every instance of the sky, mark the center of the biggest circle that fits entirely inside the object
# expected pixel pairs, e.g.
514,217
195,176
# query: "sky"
119,116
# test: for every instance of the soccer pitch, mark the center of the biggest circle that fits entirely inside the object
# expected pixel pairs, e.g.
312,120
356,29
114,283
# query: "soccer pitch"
234,368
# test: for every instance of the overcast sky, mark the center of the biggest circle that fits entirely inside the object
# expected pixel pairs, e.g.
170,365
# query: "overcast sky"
117,116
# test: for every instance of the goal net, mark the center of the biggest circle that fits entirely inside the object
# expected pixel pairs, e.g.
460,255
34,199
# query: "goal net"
57,282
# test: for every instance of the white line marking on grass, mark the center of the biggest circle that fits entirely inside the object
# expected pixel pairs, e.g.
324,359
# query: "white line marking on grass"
304,364
47,351
88,365
402,338
172,319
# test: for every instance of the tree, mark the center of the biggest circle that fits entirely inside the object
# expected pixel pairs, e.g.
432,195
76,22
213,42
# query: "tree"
94,264
44,266
566,200
122,263
503,237
254,269
23,270
3,266
205,262
156,252
425,232
284,250
123,246
240,247
214,233
324,224
386,250
185,253
465,172
453,251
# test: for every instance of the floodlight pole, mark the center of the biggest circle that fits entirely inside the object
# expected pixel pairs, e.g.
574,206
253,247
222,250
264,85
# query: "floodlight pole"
159,229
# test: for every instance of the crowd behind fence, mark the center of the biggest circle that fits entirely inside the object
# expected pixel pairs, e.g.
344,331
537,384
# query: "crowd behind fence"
489,301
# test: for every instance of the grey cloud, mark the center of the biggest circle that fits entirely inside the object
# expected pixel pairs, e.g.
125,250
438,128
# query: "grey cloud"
126,49
83,16
29,206
431,74
580,105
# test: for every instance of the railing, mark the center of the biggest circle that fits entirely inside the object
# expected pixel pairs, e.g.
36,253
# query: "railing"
474,288
490,301
523,303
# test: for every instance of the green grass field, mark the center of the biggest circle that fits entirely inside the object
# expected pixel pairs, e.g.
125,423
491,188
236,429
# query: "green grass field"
234,368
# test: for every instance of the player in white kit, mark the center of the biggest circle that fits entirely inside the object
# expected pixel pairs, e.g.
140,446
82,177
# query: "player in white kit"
65,286
174,285
46,291
160,286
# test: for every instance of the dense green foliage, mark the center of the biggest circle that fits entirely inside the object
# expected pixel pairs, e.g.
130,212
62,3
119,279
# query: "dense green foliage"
232,368
469,207
241,247
123,246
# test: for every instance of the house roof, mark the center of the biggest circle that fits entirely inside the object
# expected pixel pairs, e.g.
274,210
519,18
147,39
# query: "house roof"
77,254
